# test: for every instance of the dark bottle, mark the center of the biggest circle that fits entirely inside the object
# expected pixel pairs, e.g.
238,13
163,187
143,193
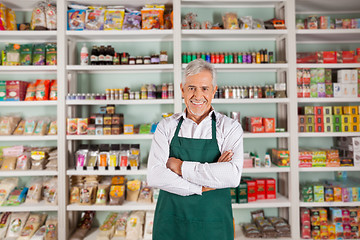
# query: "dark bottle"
266,58
102,55
109,55
94,59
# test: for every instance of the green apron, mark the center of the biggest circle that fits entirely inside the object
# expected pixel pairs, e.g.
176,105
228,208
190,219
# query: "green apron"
194,217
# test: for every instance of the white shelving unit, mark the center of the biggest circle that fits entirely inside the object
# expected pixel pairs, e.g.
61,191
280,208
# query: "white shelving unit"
328,65
31,173
329,204
28,35
247,101
27,138
328,100
111,137
28,103
42,206
120,102
332,134
329,169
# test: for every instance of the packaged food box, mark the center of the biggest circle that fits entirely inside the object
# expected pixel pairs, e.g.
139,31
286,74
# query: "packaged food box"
345,119
243,192
324,22
328,75
319,119
2,90
302,119
328,127
337,119
39,54
354,216
76,19
329,194
305,215
315,232
51,54
308,198
302,128
349,90
337,110
269,124
310,127
82,126
345,127
270,185
260,183
337,90
319,111
318,188
306,232
354,127
348,56
314,90
15,90
251,190
305,160
281,157
257,129
306,57
72,126
337,194
327,57
339,230
309,110
331,231
328,119
310,119
234,195
315,217
26,54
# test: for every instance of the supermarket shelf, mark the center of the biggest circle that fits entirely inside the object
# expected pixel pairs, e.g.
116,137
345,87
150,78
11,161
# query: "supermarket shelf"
126,3
28,138
328,100
29,36
327,7
121,35
329,204
22,69
111,137
106,172
280,201
120,102
272,169
274,66
239,235
15,173
25,207
321,35
127,206
230,3
327,169
266,135
27,103
328,65
20,5
232,34
252,100
121,68
332,134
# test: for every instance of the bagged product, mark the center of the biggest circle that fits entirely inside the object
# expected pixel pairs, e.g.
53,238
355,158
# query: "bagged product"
114,19
30,92
51,228
247,22
117,194
145,195
152,18
94,18
134,227
51,53
84,225
23,161
133,190
76,19
20,128
88,194
120,225
102,194
53,90
41,127
50,191
4,223
39,54
26,54
75,194
30,126
8,163
6,186
258,24
38,159
107,229
8,124
51,17
230,21
17,223
42,90
16,197
132,20
38,18
34,193
33,223
2,17
40,234
12,54
53,128
149,222
10,20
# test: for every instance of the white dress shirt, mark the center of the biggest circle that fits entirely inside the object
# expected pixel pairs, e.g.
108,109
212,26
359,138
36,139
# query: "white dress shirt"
229,136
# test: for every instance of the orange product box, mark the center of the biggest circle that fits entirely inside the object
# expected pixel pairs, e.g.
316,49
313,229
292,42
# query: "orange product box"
346,110
302,128
319,127
260,191
72,125
354,127
331,231
82,126
269,124
332,153
337,194
152,18
257,129
270,186
319,110
354,119
354,110
255,121
252,190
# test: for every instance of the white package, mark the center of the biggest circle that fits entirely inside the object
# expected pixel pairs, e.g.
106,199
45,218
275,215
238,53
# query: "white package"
40,234
17,223
344,76
5,220
134,226
337,90
349,90
149,222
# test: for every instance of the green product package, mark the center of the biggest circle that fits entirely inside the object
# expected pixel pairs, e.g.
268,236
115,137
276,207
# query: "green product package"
308,198
39,54
12,54
3,57
242,190
145,129
51,53
26,54
313,90
2,90
234,192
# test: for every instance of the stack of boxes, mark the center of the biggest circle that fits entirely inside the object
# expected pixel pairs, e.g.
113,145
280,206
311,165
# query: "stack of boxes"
329,119
13,90
281,157
330,223
320,158
252,189
347,85
259,125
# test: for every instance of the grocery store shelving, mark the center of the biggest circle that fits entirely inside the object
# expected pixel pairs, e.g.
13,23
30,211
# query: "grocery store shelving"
106,172
270,66
127,206
328,169
122,35
272,169
25,207
28,138
328,35
327,7
266,135
120,102
231,3
232,34
279,202
329,204
329,134
328,100
249,100
27,103
34,69
33,36
127,3
23,173
111,137
122,68
328,65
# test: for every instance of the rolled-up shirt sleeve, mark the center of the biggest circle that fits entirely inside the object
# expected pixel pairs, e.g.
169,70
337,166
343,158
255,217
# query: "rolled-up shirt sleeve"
219,174
159,176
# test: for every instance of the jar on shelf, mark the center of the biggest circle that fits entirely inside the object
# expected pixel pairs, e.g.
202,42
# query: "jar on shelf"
155,59
132,60
139,60
163,57
147,60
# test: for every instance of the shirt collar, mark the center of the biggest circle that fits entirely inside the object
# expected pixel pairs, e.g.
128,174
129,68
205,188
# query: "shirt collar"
183,114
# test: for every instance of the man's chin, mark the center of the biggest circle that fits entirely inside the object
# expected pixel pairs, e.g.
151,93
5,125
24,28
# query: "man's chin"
197,113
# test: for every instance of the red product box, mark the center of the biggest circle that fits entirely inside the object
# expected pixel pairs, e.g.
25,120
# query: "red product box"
306,78
306,57
319,110
260,189
329,57
306,231
299,76
255,121
348,56
300,91
319,127
252,190
15,90
270,188
319,119
302,128
305,216
269,124
257,129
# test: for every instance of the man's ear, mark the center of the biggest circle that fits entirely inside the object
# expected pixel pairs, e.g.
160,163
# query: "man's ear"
182,88
215,89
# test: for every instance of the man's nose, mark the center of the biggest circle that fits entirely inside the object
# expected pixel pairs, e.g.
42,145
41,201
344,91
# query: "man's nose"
198,93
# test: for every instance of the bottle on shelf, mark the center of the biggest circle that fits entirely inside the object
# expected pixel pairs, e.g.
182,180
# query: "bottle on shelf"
84,55
102,55
109,55
94,59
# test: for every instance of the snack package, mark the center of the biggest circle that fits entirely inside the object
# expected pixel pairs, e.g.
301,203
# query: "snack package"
34,193
246,22
258,24
12,54
39,54
6,186
51,54
10,20
120,225
26,54
2,17
16,197
4,223
8,124
168,21
149,222
33,223
20,128
107,229
8,163
23,161
114,19
145,195
41,127
30,126
42,90
38,159
51,17
76,19
94,18
230,21
51,228
82,126
84,225
132,20
101,195
50,191
38,18
40,233
53,128
117,194
152,18
133,190
17,223
53,90
134,227
87,194
30,92
72,126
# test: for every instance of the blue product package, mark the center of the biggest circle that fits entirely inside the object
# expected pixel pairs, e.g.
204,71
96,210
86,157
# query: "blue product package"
76,19
153,127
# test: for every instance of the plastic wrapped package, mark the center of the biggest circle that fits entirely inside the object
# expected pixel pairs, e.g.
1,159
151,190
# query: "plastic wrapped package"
8,124
84,225
39,55
40,233
38,18
38,160
41,127
30,125
152,18
52,196
107,229
51,17
23,161
34,222
4,223
34,193
51,228
149,222
6,186
94,18
10,20
230,21
26,54
53,90
114,19
120,225
76,19
102,194
47,184
88,194
2,17
168,20
52,165
51,58
20,129
133,190
246,22
16,197
9,163
17,223
30,92
53,128
145,195
134,226
258,24
12,52
132,20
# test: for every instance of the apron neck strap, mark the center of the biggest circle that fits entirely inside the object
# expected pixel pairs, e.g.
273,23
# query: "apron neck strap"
213,126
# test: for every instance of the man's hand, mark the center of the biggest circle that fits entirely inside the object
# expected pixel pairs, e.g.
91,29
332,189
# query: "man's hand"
205,189
226,156
174,164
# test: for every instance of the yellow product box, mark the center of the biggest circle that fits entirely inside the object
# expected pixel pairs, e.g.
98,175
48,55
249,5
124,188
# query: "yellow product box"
354,110
128,129
354,119
328,127
337,194
310,127
346,127
331,231
327,110
345,119
328,119
337,110
309,119
354,127
346,110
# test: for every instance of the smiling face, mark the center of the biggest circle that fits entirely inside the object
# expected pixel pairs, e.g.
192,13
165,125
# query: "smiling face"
198,93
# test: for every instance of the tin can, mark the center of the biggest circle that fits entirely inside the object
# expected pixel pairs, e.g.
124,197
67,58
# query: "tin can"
203,56
193,56
240,57
208,57
188,57
213,58
217,57
184,58
231,58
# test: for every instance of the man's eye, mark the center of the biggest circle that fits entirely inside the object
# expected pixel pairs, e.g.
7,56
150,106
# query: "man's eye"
205,89
191,88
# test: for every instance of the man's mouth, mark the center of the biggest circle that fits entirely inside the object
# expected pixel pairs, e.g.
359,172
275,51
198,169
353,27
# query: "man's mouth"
198,103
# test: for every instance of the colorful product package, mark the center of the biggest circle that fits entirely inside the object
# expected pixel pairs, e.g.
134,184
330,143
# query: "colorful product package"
39,54
132,20
76,19
2,90
38,18
114,19
51,17
94,18
72,126
53,90
51,54
12,54
16,197
15,90
26,54
152,18
2,17
42,90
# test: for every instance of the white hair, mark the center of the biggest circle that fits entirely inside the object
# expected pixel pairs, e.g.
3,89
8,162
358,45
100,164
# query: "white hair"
197,66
